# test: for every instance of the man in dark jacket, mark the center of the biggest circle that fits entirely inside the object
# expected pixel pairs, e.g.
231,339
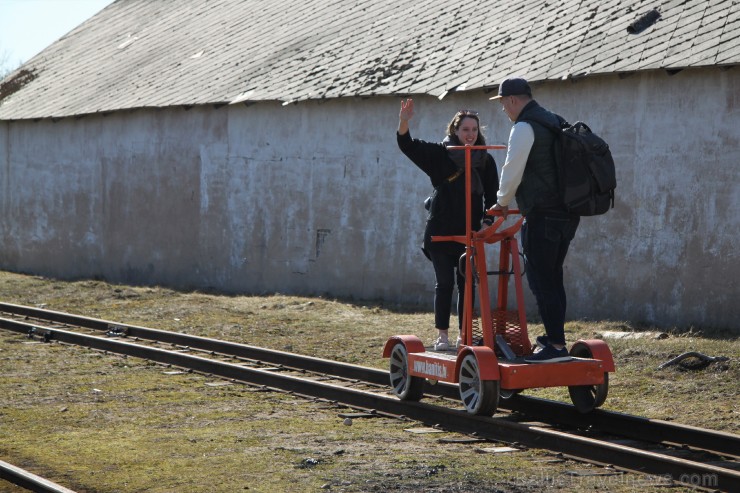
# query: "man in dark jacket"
530,175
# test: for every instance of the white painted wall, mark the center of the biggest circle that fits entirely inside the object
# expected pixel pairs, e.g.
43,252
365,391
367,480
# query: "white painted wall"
316,198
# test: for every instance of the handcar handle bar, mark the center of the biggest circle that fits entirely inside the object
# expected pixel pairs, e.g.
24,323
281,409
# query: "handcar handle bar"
475,148
491,233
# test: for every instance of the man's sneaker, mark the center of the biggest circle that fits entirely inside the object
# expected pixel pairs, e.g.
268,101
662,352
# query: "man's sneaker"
458,343
441,344
542,342
549,355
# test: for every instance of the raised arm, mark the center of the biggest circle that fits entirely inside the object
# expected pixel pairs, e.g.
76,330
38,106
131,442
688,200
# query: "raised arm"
406,113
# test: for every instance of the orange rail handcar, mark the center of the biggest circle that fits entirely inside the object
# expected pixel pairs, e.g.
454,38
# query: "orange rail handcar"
489,364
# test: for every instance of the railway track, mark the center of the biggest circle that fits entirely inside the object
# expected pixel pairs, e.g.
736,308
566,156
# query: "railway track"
687,455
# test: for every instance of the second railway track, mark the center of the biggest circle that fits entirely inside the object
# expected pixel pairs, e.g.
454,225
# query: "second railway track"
688,455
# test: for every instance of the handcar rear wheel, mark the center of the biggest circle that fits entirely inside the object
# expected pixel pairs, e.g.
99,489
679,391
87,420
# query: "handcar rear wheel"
586,398
405,386
480,397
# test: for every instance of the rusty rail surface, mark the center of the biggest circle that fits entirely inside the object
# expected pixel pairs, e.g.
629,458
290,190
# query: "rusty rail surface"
725,446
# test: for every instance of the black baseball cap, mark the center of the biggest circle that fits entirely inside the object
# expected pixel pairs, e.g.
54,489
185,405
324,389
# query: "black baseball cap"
513,86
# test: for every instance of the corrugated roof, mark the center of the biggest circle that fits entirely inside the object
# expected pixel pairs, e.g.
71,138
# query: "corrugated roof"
158,53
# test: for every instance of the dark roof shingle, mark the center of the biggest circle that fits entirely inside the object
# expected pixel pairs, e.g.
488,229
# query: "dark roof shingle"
158,53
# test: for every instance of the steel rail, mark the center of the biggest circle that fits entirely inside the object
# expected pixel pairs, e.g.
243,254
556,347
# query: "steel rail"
629,458
28,480
630,426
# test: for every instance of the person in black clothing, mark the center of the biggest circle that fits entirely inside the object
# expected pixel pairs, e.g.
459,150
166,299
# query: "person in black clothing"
530,175
446,215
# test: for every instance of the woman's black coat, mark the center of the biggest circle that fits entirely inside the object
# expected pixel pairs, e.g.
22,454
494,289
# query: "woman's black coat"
446,215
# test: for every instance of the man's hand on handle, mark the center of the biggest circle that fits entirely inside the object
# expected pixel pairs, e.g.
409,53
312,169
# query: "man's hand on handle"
504,209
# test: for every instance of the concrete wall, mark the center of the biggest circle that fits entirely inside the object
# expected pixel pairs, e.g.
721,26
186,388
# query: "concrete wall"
316,198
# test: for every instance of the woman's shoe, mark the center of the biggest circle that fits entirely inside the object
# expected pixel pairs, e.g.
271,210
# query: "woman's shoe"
441,344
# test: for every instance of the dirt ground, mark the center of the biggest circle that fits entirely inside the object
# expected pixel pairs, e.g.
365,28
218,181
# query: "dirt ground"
103,423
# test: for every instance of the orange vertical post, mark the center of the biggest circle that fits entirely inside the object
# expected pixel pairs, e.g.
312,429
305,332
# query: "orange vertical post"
468,299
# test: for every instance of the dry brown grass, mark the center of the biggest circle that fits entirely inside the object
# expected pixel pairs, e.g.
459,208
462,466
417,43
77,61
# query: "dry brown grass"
100,423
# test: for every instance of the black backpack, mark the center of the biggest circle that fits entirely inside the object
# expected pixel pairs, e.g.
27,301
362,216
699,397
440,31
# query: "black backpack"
586,173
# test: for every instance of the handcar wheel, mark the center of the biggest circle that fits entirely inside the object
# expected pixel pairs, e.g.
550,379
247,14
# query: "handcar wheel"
480,397
405,386
586,398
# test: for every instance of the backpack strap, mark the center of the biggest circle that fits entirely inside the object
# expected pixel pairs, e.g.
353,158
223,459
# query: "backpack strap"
454,176
553,128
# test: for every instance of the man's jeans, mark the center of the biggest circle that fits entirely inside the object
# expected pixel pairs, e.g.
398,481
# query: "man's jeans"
546,237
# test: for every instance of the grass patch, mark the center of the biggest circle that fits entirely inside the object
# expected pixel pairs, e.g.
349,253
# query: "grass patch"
105,423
